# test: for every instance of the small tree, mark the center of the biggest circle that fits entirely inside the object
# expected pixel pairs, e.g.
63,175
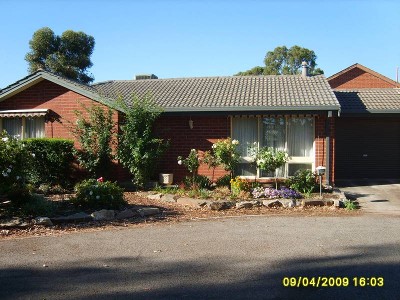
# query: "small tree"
227,154
138,148
192,164
94,133
269,159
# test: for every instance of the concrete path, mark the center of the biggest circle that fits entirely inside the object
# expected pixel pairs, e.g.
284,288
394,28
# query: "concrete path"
374,196
230,258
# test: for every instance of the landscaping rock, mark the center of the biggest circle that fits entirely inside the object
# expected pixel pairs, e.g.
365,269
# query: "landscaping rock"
338,203
244,204
219,205
75,218
272,203
45,221
126,214
288,203
103,215
168,198
196,203
148,211
14,222
313,202
155,196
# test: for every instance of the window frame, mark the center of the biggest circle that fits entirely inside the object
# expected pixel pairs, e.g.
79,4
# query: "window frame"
292,159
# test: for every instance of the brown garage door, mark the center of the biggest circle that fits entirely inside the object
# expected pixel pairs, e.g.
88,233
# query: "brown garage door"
367,147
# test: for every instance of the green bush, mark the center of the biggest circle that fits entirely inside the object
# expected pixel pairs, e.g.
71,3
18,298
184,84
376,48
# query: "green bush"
224,181
52,161
303,181
197,182
15,160
95,194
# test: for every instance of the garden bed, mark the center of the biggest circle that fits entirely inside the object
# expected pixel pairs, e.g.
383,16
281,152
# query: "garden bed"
168,212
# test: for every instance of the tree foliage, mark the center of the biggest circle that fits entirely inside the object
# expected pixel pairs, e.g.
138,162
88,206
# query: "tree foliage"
138,148
67,55
286,61
94,133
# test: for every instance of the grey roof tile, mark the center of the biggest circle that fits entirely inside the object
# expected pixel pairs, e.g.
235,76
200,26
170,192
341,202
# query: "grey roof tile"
228,93
369,100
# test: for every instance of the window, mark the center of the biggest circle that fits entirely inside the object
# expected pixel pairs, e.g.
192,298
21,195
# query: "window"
23,127
293,134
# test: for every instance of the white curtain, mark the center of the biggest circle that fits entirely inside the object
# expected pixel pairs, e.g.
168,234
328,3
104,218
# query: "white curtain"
13,126
34,127
300,137
274,133
245,131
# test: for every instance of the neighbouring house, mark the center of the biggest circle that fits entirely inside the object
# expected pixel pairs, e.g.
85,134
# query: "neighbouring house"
293,112
368,130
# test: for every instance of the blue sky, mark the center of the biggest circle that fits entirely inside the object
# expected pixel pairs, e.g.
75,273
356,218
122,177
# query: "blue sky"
205,38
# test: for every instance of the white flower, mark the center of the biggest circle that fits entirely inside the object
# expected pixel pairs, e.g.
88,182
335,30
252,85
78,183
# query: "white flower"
5,139
8,170
193,150
5,174
235,142
91,193
214,146
33,154
97,197
179,162
18,177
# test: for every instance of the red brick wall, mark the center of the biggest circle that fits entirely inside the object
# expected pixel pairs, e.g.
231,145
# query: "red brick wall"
61,102
357,78
206,131
320,145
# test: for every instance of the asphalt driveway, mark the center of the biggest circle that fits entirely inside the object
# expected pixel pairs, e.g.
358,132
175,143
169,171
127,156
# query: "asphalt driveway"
374,196
227,258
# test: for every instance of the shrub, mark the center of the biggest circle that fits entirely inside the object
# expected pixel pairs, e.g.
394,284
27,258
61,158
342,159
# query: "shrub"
237,185
138,148
197,182
289,193
15,160
304,181
94,133
224,181
95,194
349,205
51,161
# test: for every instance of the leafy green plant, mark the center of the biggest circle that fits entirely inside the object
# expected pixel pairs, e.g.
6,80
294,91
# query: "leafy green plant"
349,205
269,159
15,161
197,182
94,131
226,154
138,148
303,181
212,162
96,194
192,164
238,185
224,181
51,161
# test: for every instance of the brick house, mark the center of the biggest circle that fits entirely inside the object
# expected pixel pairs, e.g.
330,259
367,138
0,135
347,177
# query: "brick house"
368,130
293,112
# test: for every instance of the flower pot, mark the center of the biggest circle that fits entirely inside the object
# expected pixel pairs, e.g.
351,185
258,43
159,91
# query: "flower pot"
166,178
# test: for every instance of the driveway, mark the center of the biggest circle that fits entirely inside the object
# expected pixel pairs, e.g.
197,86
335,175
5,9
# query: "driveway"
374,196
227,258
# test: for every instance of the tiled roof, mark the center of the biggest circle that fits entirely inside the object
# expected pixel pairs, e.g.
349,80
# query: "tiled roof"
283,92
369,100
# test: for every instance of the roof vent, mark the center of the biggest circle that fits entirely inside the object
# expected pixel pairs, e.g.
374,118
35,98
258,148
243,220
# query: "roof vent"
304,69
145,76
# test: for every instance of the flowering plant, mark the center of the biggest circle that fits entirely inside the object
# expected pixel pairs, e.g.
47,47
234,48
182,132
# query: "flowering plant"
269,159
94,194
271,193
237,185
192,164
14,164
226,153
